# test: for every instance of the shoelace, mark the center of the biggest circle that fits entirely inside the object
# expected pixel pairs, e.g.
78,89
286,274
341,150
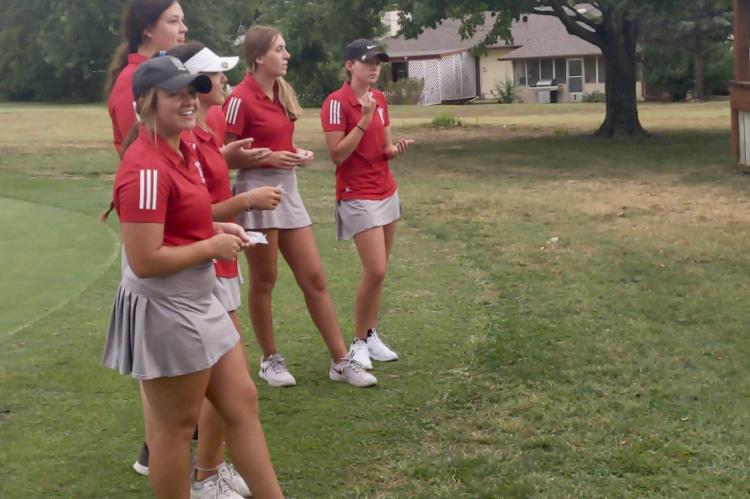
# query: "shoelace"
355,365
222,488
225,474
277,365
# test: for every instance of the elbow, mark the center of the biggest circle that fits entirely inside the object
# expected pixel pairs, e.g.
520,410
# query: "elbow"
336,158
142,271
141,268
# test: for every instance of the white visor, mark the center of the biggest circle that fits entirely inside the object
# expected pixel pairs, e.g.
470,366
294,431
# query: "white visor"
206,61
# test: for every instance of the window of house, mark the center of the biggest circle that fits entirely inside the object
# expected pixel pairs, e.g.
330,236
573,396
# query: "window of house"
602,70
590,69
548,69
532,72
400,71
519,73
561,73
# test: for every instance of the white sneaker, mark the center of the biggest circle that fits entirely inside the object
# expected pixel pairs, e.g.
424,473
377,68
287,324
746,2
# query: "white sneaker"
275,372
351,371
359,352
212,488
378,350
234,480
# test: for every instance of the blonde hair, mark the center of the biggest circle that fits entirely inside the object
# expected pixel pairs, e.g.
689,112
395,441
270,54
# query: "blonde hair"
259,40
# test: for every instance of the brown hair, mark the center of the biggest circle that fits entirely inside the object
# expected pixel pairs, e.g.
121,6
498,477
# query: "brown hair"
136,17
259,40
146,109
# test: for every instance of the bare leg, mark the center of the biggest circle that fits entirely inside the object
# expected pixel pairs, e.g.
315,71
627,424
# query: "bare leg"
301,253
389,231
210,452
262,262
373,253
233,393
173,408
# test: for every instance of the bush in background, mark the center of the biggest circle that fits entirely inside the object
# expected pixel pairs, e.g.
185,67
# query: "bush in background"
406,91
504,92
595,96
446,120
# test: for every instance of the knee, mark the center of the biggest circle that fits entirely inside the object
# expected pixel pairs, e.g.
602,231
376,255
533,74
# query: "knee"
245,403
315,282
375,274
262,281
180,427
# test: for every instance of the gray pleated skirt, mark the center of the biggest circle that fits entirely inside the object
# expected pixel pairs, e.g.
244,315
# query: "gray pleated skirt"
227,291
289,214
167,326
357,215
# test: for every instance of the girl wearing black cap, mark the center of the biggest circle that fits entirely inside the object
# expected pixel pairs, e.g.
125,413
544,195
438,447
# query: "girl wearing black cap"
358,135
167,329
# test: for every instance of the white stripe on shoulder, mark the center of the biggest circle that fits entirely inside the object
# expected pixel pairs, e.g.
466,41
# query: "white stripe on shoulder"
336,112
232,110
154,190
148,191
142,195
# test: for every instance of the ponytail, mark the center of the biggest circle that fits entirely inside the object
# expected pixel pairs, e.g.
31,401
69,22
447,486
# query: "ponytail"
116,65
288,99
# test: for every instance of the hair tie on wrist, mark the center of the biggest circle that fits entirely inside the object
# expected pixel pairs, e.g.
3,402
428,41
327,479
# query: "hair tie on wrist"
363,130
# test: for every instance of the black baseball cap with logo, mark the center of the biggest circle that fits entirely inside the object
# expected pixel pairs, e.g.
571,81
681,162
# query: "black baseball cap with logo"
167,73
363,50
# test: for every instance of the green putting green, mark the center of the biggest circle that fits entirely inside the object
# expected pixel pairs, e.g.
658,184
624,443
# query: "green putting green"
48,255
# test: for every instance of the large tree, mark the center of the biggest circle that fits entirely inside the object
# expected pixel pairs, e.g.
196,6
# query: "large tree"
695,27
612,25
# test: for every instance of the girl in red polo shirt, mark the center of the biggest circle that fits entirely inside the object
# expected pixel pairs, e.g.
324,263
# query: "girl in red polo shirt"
358,135
147,26
265,108
209,460
167,329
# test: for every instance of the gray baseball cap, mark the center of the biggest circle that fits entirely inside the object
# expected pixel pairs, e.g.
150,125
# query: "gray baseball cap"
166,72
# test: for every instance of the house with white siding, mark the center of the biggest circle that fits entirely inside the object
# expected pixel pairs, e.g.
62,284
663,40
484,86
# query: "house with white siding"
545,63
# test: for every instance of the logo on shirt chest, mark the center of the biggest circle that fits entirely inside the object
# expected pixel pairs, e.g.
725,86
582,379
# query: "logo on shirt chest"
199,167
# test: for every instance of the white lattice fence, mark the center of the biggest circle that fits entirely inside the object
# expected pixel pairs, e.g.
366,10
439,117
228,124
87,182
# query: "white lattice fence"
459,76
429,71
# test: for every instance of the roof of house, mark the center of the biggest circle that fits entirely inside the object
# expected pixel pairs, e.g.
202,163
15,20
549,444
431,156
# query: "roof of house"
545,36
441,40
537,36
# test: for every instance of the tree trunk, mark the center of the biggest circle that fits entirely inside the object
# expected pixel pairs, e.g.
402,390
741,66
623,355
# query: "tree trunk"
619,36
699,90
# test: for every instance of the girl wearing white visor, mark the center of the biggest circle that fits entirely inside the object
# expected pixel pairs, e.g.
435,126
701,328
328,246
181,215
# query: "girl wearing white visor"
209,140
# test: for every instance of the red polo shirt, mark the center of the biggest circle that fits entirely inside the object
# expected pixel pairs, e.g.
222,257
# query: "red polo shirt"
216,176
365,173
217,123
250,113
154,184
121,104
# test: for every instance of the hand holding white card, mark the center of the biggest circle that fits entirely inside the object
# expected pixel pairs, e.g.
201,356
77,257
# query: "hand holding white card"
256,237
